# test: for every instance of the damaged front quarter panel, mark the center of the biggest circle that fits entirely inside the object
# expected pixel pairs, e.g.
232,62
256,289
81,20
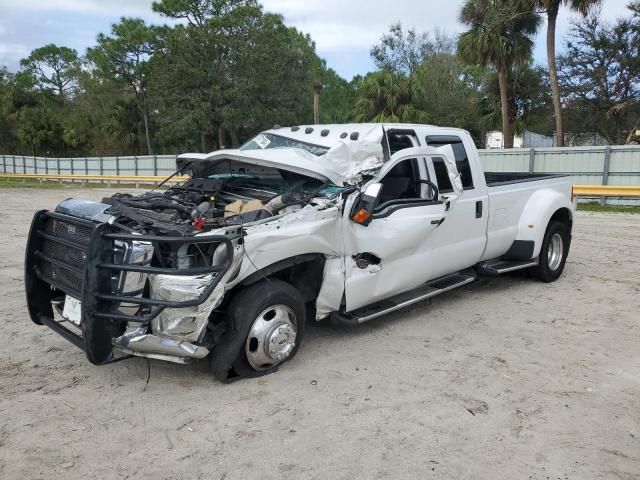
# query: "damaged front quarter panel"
315,228
332,288
189,324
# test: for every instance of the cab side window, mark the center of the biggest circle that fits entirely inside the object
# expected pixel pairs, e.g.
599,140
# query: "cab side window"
462,161
401,182
442,176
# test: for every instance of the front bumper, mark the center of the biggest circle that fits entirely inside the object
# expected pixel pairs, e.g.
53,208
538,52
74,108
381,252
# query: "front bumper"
67,255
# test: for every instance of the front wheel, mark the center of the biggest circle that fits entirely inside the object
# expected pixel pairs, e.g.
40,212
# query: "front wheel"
265,329
553,254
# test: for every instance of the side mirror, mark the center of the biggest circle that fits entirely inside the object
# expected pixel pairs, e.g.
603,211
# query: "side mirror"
362,211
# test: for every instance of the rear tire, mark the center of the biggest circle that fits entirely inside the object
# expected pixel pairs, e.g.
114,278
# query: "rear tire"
266,323
553,253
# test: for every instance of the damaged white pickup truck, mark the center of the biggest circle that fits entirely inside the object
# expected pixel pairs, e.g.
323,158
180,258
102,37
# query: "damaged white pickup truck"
345,222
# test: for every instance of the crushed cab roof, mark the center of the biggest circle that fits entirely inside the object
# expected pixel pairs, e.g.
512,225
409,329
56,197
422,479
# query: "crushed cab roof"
352,149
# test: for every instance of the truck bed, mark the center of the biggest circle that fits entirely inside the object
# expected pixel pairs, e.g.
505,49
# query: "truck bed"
496,179
509,195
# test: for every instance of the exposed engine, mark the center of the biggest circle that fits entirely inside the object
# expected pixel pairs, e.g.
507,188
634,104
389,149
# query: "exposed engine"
180,210
200,205
203,204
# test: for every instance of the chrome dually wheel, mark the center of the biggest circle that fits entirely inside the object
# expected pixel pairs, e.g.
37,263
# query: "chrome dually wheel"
555,252
265,327
272,337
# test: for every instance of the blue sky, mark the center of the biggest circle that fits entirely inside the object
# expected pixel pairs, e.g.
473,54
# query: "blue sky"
343,30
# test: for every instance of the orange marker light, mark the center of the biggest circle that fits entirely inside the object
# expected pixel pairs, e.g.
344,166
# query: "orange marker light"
361,216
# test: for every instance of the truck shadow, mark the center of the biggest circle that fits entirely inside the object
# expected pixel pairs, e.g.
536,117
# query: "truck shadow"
325,329
326,333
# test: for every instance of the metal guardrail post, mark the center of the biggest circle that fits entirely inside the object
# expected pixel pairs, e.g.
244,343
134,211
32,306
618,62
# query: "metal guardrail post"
101,165
117,165
57,166
86,166
135,165
155,166
532,159
35,164
72,167
607,164
605,171
4,164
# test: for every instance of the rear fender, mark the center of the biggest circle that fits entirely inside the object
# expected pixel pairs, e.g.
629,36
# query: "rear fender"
537,213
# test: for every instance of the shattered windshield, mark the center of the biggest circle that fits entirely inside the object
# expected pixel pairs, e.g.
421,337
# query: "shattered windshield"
269,140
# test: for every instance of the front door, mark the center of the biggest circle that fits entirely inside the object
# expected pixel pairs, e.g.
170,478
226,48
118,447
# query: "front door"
461,240
392,254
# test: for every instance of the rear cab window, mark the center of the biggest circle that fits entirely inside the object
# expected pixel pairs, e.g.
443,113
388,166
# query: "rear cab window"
398,140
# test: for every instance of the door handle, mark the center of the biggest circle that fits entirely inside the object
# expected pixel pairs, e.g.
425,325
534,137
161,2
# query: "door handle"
479,209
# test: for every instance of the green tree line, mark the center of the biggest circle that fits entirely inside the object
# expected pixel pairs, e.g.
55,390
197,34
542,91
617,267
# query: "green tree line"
222,70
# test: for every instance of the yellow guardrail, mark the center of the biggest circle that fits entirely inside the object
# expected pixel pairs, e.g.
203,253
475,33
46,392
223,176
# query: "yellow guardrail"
605,191
91,178
578,190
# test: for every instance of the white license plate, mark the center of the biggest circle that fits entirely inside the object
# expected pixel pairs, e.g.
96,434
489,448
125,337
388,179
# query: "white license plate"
72,310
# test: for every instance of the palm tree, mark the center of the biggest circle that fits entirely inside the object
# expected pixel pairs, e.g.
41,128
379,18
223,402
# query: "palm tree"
386,97
528,99
500,36
552,7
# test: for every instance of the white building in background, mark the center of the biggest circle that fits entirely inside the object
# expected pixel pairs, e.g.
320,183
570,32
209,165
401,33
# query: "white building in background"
535,140
494,140
526,140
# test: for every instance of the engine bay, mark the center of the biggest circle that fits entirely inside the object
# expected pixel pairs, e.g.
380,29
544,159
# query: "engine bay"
225,194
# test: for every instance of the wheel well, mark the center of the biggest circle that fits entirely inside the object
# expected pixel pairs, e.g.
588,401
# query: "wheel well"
564,216
304,272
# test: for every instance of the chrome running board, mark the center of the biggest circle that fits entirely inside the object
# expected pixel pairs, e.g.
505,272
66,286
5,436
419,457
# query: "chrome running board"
397,302
498,267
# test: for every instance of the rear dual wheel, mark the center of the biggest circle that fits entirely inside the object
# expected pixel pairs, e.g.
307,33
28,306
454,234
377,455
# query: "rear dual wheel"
553,253
266,323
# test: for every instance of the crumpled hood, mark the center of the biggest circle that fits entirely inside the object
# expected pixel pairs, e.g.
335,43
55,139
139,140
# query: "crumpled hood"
341,165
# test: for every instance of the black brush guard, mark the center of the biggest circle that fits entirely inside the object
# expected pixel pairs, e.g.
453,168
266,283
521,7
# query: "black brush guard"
71,256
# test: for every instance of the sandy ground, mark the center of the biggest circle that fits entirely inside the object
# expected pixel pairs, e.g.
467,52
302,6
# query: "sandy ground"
504,379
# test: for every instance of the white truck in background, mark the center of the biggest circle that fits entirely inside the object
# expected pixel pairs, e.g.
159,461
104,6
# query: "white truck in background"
305,223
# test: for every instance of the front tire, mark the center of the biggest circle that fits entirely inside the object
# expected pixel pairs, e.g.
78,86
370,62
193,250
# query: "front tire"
266,323
553,254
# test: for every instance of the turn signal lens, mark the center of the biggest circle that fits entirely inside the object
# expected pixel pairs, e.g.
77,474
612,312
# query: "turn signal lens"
361,216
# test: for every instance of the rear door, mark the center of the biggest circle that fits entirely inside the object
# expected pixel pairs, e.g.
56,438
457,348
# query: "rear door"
461,239
393,253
